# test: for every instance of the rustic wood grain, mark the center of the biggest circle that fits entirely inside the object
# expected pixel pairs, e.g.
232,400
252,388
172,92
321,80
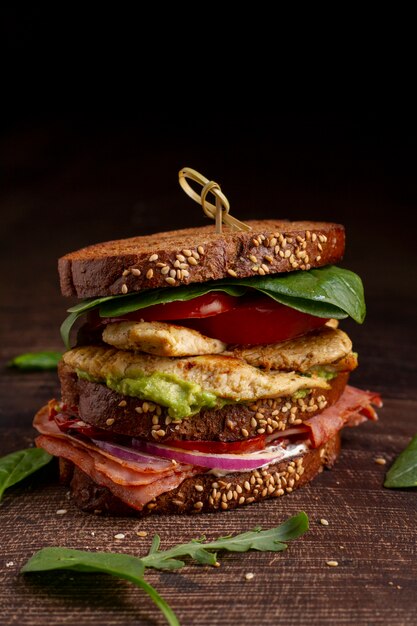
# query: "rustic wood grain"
371,532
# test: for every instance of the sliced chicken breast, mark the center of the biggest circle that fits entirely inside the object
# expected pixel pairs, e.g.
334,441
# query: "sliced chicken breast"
160,339
321,347
226,376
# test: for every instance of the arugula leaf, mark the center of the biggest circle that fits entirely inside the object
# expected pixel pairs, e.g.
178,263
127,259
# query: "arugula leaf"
156,542
18,465
325,292
132,568
403,473
257,539
31,361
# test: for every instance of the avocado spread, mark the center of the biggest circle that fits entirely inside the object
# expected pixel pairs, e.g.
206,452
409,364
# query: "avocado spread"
181,397
328,373
301,393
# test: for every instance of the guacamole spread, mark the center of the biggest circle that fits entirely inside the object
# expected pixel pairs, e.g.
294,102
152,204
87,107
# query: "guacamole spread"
181,397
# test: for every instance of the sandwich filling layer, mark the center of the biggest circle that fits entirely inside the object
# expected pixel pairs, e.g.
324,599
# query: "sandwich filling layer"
137,472
186,385
295,376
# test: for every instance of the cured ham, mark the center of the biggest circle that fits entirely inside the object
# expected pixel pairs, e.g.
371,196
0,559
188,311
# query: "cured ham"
136,496
148,464
135,483
353,407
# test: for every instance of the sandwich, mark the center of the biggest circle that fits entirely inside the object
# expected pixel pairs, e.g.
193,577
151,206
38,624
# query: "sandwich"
209,371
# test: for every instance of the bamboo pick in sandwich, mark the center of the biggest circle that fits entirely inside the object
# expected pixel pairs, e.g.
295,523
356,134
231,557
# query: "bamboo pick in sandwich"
219,211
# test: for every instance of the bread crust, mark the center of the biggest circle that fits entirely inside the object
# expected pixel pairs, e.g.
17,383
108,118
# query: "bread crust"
196,255
206,492
118,414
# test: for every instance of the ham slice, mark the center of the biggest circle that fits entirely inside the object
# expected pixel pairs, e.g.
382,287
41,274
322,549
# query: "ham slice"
154,464
353,407
135,483
136,496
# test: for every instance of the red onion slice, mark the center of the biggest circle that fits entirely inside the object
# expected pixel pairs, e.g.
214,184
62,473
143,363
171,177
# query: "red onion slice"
143,460
229,462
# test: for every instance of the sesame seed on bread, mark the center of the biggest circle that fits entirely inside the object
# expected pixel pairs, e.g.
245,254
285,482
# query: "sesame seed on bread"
195,255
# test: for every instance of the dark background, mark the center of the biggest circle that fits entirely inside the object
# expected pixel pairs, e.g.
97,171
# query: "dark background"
77,170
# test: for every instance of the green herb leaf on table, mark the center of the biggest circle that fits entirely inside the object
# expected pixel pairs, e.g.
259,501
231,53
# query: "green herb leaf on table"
32,361
263,540
132,568
403,473
18,465
325,292
120,565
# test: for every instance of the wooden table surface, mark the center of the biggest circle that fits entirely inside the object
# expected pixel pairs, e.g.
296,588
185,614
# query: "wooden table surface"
61,193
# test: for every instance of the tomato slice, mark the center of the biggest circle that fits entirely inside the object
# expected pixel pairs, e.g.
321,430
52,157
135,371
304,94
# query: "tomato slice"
203,306
221,447
251,319
66,423
257,319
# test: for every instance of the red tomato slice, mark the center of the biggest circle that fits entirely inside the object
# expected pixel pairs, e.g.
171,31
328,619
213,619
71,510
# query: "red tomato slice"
222,447
204,306
66,423
256,320
250,320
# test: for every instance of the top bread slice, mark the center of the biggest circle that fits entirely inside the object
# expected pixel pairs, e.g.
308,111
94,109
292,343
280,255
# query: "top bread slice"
195,255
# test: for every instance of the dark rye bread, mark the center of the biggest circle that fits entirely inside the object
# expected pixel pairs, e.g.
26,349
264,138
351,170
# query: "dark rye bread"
100,406
205,492
196,255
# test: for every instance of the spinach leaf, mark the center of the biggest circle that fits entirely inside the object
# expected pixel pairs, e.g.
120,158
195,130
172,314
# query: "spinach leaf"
329,285
132,568
92,303
403,473
120,565
67,325
31,361
141,300
325,292
16,466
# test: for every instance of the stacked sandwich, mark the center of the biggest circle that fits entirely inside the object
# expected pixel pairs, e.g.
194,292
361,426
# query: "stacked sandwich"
209,371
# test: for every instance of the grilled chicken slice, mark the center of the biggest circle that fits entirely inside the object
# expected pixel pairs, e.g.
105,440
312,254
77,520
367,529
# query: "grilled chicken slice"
322,347
226,376
160,339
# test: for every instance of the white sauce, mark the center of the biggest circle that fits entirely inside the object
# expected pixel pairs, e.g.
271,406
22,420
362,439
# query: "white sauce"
295,449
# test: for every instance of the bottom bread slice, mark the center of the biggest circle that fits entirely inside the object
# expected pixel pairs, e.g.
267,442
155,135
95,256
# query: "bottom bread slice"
207,492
